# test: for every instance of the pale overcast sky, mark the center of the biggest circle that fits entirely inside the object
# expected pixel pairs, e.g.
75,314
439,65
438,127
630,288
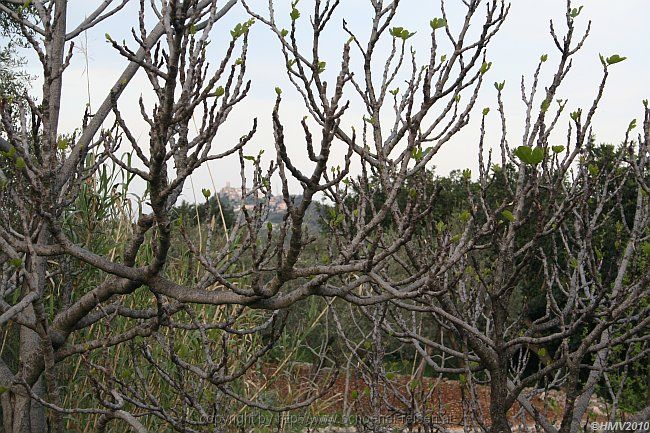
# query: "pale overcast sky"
618,27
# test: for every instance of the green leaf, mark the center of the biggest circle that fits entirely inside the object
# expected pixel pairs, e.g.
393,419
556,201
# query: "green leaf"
632,125
10,153
20,163
284,32
537,155
486,110
62,144
443,58
417,154
206,192
269,226
593,169
413,194
438,23
236,32
467,174
441,226
354,394
575,12
485,67
3,390
390,376
278,91
524,154
543,58
499,86
465,216
108,37
546,103
400,32
576,115
406,34
219,91
529,156
295,14
394,92
321,67
15,262
249,157
542,353
508,215
557,149
241,29
614,59
192,29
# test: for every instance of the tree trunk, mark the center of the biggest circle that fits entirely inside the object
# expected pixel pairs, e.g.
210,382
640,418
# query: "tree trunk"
498,409
21,414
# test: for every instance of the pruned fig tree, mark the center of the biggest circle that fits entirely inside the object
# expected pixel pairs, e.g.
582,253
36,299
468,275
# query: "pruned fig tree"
170,322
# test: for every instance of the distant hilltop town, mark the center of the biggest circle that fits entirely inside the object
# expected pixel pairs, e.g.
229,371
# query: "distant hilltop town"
233,196
278,208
